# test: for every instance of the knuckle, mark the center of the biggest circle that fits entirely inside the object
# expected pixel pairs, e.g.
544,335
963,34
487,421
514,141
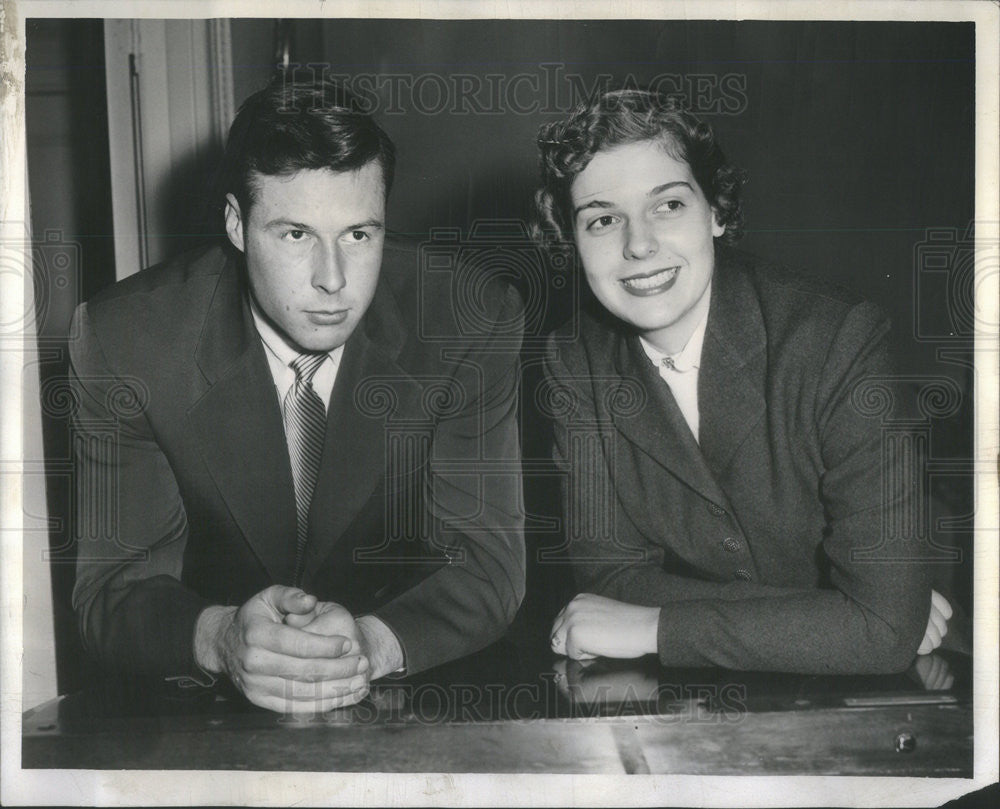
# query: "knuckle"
242,658
253,660
249,634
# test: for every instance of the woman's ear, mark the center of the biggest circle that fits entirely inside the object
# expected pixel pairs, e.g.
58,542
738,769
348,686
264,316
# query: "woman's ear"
717,229
234,222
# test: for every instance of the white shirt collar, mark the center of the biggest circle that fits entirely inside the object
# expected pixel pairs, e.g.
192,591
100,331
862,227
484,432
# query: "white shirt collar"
688,357
277,346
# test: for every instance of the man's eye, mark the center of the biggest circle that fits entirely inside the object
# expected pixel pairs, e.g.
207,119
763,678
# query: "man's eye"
602,222
294,235
358,236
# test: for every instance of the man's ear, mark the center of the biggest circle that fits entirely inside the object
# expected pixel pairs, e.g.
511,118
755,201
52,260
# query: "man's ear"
234,222
717,229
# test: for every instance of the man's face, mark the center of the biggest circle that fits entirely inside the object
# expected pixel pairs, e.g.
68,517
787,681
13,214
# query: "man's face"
313,246
644,231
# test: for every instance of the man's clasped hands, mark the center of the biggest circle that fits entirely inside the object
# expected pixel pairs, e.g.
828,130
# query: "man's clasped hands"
289,652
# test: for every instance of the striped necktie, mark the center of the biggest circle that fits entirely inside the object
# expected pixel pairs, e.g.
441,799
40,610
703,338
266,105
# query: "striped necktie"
305,425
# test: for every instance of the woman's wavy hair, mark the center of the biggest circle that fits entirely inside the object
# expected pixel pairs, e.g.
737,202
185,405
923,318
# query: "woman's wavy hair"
621,117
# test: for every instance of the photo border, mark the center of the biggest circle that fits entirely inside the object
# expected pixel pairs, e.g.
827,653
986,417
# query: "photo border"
33,787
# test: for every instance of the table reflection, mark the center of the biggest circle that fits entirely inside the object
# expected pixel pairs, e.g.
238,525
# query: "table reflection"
933,672
642,686
499,684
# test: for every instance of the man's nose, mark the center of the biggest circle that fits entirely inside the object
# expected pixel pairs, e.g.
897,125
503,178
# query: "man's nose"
328,274
640,241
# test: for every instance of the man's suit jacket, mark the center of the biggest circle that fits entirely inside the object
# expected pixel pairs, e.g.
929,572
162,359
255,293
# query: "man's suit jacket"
186,487
763,544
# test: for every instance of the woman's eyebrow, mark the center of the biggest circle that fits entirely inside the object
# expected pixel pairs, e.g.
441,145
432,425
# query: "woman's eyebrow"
594,203
661,188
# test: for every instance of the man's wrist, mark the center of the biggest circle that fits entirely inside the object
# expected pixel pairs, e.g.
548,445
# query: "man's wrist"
208,632
385,654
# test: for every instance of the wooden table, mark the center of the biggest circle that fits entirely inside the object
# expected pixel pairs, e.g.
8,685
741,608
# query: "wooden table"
503,710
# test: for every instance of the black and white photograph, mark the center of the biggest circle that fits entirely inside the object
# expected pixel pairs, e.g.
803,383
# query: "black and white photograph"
468,404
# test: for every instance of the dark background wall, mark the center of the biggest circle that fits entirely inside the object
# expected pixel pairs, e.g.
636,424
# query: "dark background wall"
858,139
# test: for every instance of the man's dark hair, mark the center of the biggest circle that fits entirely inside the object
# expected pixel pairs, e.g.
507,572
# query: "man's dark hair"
622,117
288,127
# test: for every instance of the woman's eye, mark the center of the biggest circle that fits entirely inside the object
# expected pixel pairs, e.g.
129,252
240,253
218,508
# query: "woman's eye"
670,205
602,222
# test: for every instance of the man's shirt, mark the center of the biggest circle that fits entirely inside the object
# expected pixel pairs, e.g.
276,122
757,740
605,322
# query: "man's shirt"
280,356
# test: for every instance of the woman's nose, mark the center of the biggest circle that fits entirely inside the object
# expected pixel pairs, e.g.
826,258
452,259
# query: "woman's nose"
640,242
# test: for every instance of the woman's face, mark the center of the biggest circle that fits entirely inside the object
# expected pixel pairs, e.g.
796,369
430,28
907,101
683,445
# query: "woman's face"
645,233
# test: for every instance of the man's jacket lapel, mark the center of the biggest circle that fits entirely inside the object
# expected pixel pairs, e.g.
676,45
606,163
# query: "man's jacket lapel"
371,390
238,424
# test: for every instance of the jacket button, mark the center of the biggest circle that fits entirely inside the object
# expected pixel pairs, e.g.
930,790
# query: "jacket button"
731,545
743,574
718,511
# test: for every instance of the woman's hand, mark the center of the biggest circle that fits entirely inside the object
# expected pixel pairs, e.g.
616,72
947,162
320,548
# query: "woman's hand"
937,624
593,626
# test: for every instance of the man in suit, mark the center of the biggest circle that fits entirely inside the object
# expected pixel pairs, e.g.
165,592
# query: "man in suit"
727,491
283,483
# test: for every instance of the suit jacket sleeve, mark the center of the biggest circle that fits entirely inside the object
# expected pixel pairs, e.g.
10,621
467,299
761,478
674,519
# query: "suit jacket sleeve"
130,527
873,616
477,511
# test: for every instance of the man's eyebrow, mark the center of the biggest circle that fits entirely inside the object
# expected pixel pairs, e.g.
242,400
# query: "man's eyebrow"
598,203
368,223
288,223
